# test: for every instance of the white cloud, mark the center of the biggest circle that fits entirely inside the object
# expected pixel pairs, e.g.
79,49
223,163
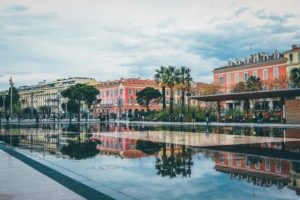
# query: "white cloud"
113,39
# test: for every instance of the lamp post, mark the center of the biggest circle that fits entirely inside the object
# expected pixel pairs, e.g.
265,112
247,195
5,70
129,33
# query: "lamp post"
58,101
3,100
11,83
120,102
31,101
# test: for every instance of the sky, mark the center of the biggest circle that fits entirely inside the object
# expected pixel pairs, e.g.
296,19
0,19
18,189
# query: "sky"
106,40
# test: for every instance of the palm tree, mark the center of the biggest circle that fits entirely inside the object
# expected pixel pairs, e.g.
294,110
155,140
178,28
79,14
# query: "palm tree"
295,77
171,79
160,78
254,84
184,84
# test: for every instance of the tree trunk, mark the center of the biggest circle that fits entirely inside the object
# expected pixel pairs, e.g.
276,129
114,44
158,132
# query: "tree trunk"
183,101
78,119
171,100
164,97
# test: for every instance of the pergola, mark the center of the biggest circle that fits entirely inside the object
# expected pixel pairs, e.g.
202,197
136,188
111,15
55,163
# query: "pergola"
245,96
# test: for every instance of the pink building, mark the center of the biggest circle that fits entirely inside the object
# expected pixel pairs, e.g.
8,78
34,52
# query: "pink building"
119,96
268,68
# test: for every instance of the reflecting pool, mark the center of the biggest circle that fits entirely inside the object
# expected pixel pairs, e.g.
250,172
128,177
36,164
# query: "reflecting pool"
136,161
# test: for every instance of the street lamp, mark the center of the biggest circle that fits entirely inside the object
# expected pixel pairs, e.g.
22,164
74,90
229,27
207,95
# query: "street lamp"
3,100
11,83
58,101
120,103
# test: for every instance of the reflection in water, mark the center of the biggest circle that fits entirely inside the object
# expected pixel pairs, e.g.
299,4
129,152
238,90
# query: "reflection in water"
264,164
174,164
80,150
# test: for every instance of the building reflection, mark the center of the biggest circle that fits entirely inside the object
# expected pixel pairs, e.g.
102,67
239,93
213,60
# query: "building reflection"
261,171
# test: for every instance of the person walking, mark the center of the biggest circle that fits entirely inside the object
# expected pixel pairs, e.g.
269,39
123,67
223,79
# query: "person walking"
193,116
207,118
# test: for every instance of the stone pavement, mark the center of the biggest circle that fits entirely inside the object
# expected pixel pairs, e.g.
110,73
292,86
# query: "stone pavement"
20,181
24,178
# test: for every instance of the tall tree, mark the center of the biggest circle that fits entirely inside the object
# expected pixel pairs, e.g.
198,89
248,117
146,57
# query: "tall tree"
144,96
254,84
80,93
160,78
15,100
240,87
295,77
208,89
172,78
184,84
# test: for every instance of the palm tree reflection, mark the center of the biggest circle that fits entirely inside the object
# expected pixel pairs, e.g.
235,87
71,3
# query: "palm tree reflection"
175,164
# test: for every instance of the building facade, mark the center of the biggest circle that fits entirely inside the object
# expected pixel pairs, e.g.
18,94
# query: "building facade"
49,93
293,58
119,96
268,68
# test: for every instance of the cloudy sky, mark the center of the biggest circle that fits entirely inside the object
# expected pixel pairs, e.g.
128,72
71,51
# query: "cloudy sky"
50,39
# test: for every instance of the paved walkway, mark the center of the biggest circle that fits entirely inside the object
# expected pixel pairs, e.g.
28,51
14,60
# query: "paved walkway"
19,181
24,178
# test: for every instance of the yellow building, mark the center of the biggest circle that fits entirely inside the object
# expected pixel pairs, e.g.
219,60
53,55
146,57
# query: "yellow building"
293,58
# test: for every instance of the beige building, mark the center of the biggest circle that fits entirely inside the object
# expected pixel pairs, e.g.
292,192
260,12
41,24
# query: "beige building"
49,93
293,58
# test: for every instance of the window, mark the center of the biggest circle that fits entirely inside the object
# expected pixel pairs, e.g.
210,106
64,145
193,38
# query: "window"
130,91
275,72
222,159
221,80
278,167
246,76
230,159
238,162
248,162
255,73
121,91
265,74
257,165
267,166
237,78
228,79
291,58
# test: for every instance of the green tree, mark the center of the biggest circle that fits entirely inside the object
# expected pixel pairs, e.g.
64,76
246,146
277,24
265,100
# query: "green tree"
240,87
15,100
45,110
78,94
295,77
254,84
172,78
28,112
160,78
144,96
184,84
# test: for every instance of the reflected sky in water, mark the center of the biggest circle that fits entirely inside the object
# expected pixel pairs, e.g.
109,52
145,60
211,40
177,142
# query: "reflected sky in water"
128,167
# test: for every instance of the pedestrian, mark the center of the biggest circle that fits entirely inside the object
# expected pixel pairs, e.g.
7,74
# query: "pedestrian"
207,118
261,117
193,116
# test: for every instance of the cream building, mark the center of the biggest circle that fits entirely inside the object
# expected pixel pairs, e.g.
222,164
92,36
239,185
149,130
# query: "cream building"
293,58
49,93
